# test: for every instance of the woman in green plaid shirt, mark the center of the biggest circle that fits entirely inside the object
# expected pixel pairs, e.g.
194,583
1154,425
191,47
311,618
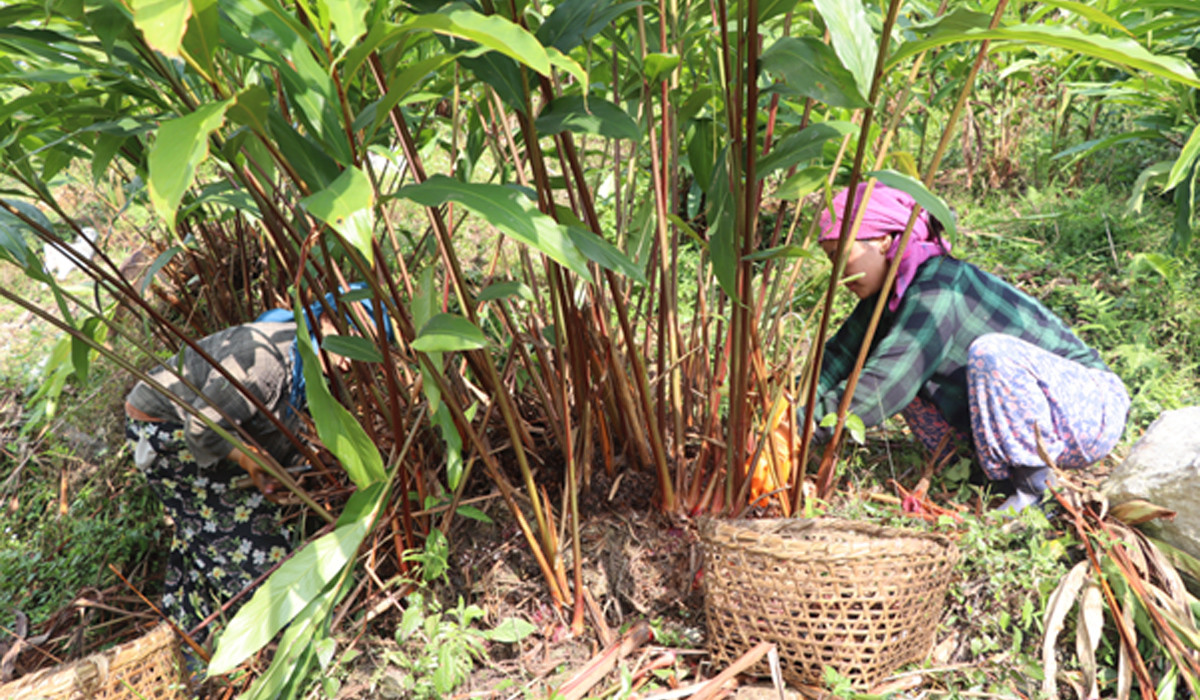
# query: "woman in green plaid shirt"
961,351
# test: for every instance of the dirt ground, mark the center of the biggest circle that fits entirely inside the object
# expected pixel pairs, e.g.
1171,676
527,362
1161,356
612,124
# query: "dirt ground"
638,565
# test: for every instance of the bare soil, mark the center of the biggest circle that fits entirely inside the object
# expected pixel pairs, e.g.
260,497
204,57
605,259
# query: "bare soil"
638,565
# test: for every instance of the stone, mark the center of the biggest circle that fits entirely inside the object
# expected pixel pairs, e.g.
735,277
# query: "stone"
1164,468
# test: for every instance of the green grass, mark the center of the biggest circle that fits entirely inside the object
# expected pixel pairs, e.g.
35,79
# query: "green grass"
74,436
48,558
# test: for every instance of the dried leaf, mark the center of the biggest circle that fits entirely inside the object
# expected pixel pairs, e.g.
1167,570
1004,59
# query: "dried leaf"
1124,664
944,650
898,687
1133,548
1060,603
8,660
1164,570
1087,636
1180,559
1178,618
1137,511
1124,674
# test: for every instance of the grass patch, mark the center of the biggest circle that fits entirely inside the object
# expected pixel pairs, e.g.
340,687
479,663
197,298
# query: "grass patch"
55,547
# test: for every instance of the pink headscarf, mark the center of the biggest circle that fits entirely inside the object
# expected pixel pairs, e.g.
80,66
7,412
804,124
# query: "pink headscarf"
887,213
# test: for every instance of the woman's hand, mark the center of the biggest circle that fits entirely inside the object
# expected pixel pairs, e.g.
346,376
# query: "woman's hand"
268,485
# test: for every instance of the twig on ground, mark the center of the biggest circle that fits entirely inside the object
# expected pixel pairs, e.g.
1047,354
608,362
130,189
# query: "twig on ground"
187,638
743,663
596,669
685,692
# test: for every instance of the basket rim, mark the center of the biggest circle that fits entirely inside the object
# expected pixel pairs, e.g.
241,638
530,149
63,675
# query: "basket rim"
775,536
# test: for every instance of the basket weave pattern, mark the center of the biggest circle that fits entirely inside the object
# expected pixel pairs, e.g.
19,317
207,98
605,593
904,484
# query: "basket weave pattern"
860,598
150,667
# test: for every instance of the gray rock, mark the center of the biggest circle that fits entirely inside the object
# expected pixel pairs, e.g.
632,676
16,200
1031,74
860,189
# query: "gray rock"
1164,468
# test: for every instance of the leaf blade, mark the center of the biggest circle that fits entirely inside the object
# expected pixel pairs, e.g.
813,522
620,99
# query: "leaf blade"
337,427
506,209
162,23
852,38
810,67
928,200
510,630
348,19
1187,158
490,31
449,333
296,584
348,207
1121,51
575,21
596,115
179,148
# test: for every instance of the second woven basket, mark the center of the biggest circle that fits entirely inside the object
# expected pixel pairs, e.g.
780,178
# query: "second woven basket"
860,598
150,667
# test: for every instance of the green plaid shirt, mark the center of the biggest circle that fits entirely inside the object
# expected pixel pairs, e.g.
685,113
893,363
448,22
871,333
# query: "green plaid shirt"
921,348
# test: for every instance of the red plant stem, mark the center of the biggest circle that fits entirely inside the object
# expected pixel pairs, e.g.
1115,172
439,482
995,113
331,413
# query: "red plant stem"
1121,559
652,432
828,459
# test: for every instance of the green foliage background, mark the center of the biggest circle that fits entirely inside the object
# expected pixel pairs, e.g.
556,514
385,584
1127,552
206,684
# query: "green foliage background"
588,216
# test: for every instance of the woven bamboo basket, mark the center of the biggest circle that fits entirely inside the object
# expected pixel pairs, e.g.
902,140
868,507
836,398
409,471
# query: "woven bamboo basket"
859,598
149,667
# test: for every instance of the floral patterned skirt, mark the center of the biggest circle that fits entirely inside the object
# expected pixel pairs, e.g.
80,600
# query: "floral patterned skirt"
1015,386
225,537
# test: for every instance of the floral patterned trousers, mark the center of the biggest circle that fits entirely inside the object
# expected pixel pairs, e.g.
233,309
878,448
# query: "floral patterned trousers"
225,537
1015,386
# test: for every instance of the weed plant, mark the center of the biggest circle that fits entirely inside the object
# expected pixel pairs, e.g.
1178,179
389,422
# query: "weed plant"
55,548
1008,570
438,647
